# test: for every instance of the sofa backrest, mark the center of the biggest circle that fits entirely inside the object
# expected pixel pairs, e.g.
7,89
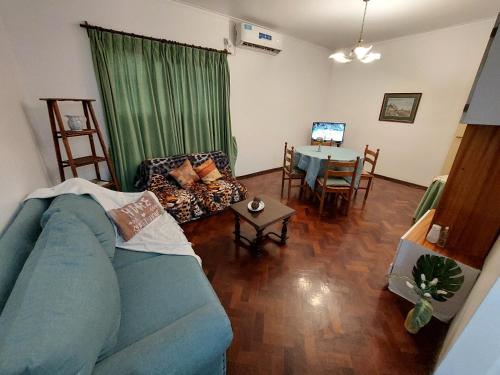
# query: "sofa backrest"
17,242
162,166
64,310
85,208
19,239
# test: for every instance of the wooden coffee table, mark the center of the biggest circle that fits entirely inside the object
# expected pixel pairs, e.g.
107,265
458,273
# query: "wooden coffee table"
273,212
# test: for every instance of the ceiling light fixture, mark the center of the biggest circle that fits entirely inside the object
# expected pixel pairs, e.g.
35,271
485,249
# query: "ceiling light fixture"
362,52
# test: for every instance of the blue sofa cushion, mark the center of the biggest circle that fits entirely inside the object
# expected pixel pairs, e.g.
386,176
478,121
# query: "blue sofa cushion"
64,310
194,344
172,321
156,291
91,213
17,242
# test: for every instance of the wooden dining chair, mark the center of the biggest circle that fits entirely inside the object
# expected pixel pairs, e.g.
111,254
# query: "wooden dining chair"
339,179
290,171
325,143
371,158
314,142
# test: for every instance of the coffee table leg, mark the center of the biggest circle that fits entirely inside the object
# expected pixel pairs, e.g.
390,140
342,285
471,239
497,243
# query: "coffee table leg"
257,243
237,232
284,231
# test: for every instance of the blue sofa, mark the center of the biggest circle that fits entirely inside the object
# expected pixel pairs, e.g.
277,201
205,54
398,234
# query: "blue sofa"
171,320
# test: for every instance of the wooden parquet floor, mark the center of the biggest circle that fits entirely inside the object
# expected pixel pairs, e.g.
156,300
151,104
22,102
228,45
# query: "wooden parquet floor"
318,305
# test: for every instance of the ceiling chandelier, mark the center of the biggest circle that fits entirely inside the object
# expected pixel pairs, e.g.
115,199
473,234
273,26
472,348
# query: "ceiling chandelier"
362,52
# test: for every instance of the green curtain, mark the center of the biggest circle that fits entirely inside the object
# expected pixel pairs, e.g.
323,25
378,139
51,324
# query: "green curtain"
160,99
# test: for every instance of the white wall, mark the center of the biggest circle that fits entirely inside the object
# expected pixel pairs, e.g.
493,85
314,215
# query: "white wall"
441,65
276,99
273,98
20,165
472,345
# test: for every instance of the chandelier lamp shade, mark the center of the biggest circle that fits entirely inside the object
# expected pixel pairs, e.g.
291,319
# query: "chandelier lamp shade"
361,52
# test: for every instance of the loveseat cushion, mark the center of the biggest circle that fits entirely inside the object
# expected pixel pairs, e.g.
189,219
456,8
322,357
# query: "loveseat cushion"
180,203
91,213
156,291
64,310
195,344
218,195
199,200
17,242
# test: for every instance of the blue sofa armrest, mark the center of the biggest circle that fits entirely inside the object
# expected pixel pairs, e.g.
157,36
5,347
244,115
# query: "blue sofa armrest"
187,346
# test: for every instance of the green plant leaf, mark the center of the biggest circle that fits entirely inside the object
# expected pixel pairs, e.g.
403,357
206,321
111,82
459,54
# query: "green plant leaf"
445,270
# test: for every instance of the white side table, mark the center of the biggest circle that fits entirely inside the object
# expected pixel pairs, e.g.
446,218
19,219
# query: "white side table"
411,246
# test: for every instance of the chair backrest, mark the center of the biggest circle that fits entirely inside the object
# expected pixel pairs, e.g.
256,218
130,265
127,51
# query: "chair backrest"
323,143
288,158
335,168
371,158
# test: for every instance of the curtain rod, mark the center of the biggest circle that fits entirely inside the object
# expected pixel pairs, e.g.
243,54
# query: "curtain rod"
86,25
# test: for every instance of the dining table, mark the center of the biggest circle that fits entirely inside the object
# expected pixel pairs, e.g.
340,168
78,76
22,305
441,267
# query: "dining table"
312,160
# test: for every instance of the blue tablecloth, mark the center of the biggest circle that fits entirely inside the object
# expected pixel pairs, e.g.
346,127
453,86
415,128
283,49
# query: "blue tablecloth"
309,159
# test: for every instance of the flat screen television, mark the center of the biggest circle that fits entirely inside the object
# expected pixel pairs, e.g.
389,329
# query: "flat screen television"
328,131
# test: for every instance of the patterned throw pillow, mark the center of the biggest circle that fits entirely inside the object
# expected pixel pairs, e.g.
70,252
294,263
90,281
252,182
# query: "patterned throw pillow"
133,217
208,172
185,174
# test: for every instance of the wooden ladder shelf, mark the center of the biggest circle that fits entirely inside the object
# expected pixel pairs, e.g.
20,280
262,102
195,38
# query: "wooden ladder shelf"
60,133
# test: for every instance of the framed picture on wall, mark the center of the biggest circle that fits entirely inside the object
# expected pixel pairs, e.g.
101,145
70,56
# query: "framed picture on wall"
400,107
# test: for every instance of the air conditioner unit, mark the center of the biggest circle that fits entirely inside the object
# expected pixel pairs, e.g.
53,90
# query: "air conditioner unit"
256,37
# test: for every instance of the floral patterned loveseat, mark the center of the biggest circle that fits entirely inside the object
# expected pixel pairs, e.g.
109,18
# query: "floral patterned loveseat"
198,201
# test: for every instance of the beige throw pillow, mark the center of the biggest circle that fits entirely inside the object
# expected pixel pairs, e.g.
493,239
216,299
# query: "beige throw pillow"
208,172
185,174
133,217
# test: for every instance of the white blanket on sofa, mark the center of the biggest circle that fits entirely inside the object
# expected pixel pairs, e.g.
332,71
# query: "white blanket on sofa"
163,235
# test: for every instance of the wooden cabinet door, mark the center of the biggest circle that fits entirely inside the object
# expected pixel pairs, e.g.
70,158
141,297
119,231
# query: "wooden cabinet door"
470,204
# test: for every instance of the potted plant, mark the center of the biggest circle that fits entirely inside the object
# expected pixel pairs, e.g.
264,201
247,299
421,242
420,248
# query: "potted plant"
434,278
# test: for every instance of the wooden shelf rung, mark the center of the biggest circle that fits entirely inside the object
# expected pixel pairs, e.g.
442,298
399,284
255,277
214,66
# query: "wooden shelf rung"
84,160
103,183
77,133
66,100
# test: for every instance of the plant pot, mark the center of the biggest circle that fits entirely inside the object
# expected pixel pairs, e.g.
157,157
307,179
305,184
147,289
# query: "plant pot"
419,316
